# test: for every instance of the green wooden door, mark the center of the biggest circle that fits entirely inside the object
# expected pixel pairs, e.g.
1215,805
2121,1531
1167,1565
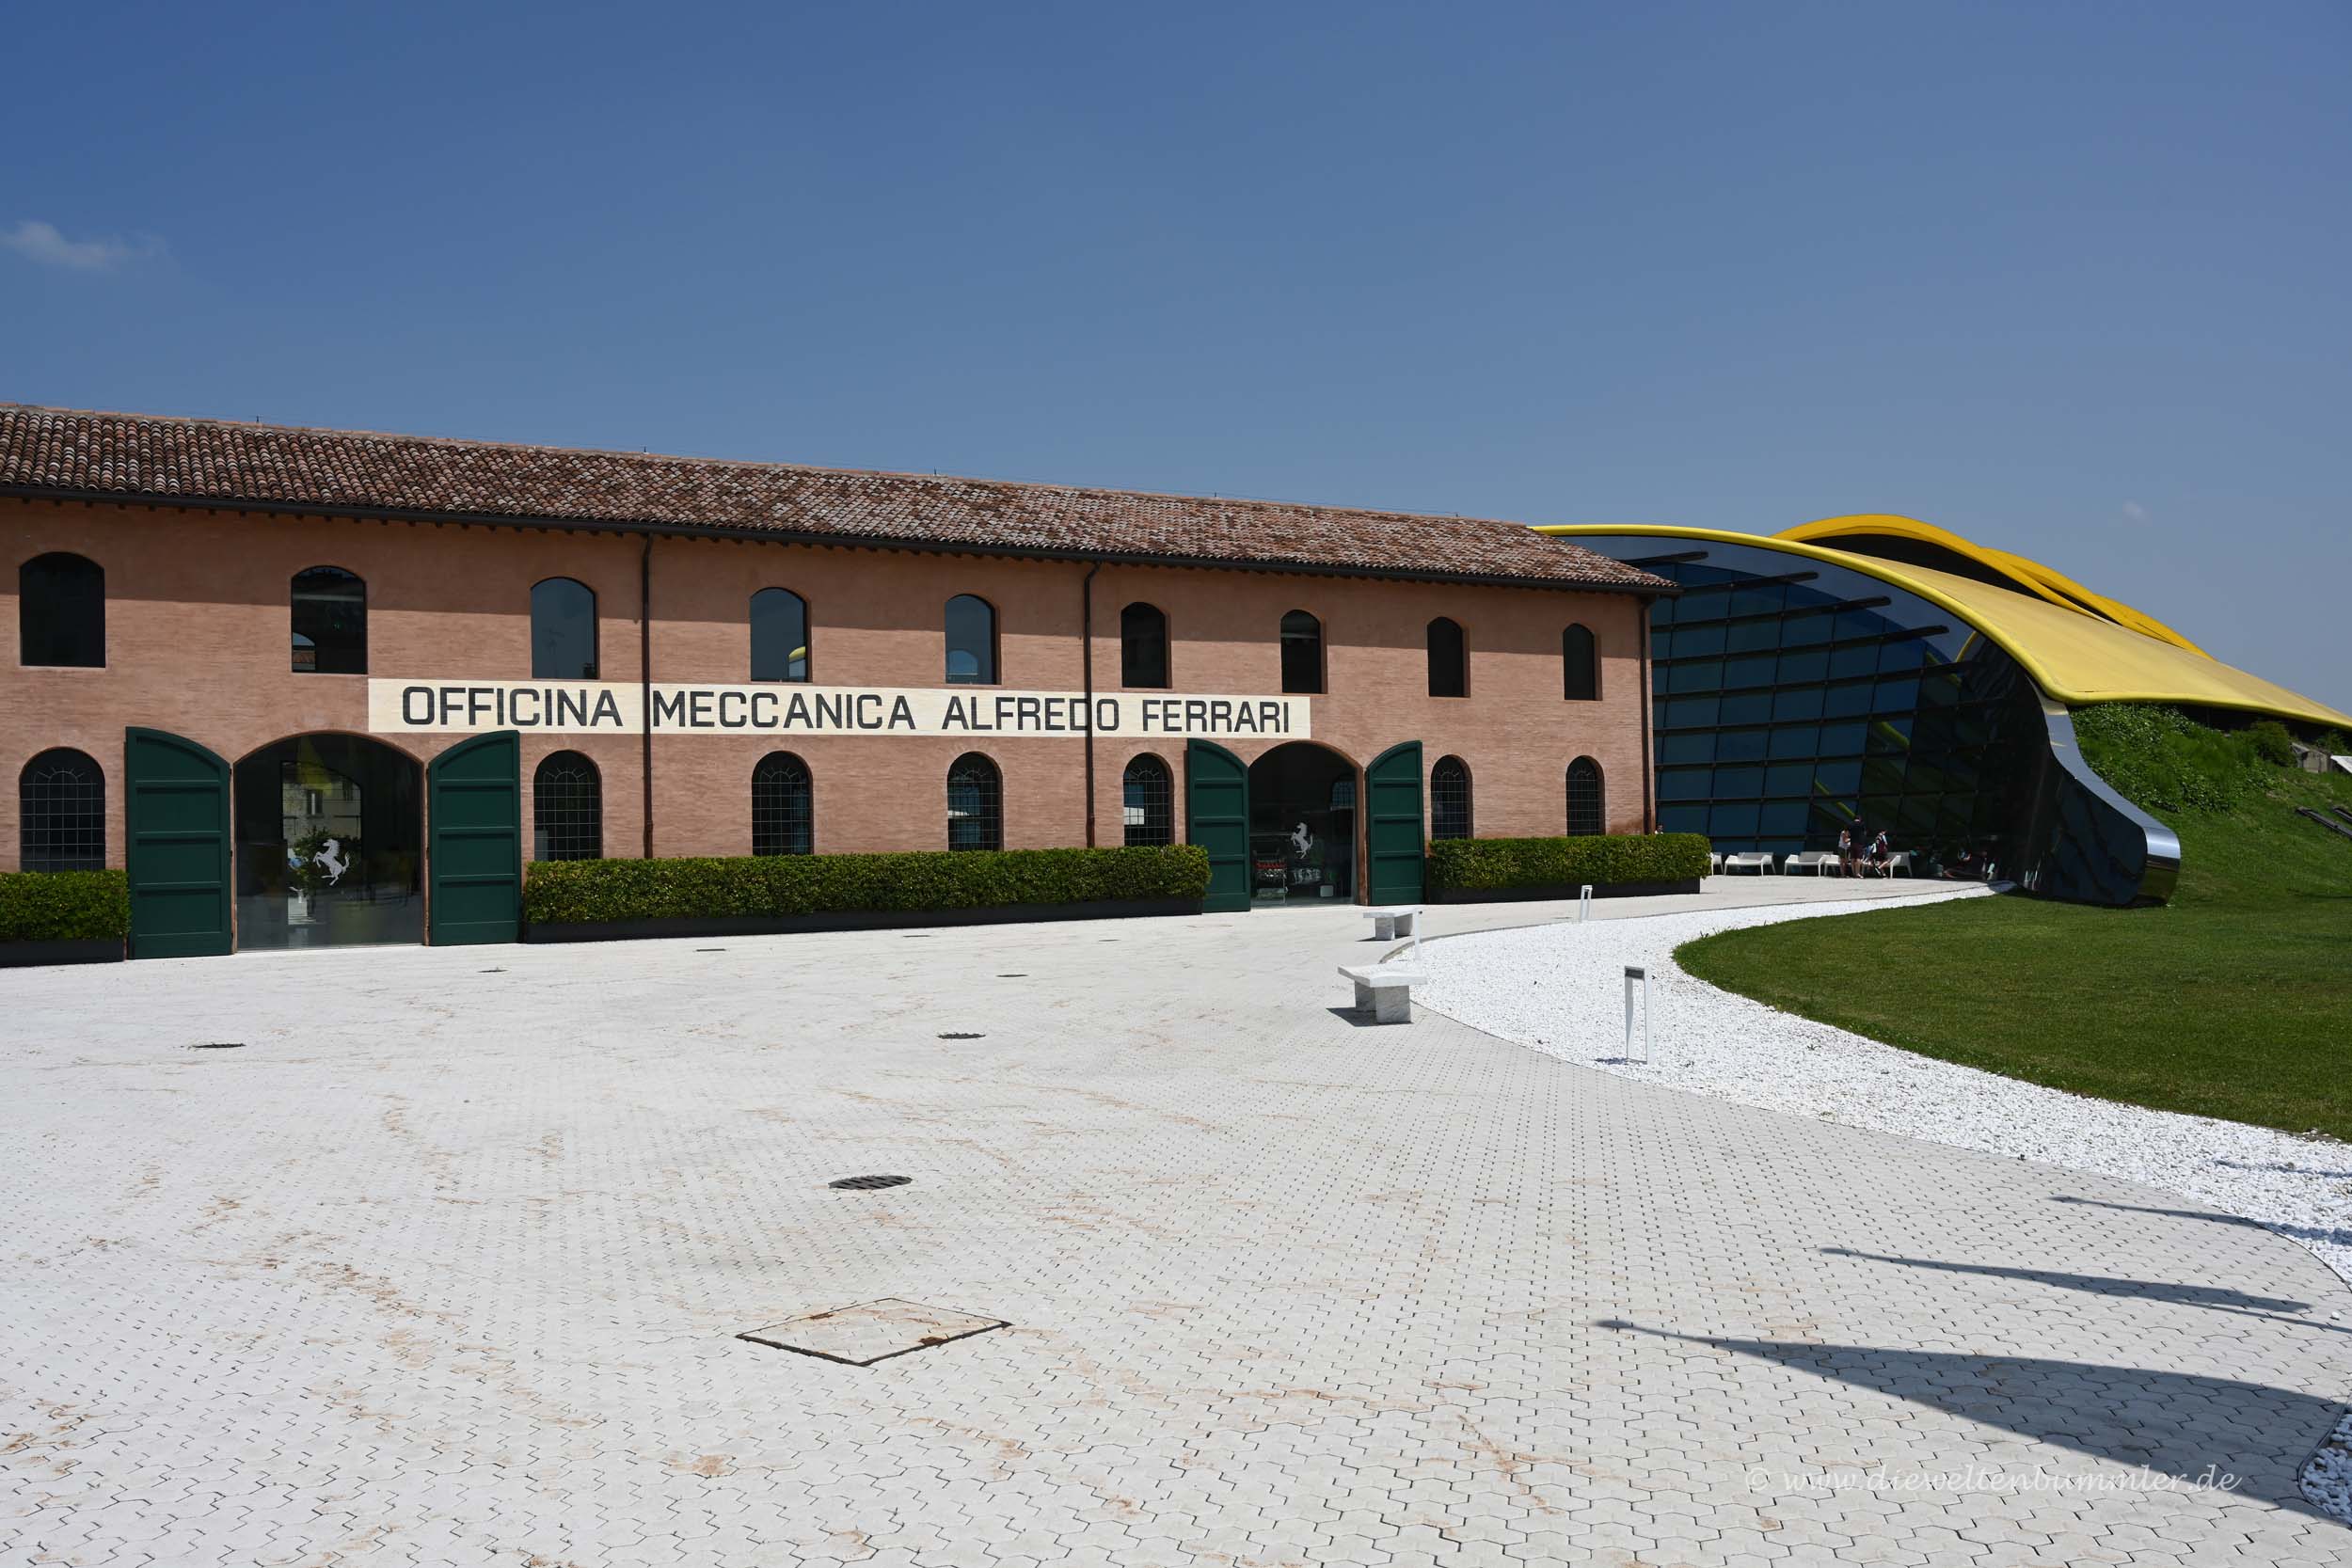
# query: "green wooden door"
474,841
1217,818
1393,838
175,803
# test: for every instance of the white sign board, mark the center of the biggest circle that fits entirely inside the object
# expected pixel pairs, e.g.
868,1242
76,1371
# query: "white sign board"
617,707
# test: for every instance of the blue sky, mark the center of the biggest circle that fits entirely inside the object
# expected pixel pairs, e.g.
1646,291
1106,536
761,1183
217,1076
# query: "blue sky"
2070,279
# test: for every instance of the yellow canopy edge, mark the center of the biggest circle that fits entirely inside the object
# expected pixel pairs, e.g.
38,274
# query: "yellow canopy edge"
2073,655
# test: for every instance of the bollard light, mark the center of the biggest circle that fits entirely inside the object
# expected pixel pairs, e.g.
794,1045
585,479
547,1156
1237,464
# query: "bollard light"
1635,973
1584,904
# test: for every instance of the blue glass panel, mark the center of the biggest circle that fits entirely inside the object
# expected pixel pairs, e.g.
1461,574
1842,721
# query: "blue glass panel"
1699,641
1901,695
1907,654
1735,783
1682,819
1797,740
1764,598
1660,642
1749,670
1693,746
1751,637
1783,818
1842,740
1861,622
1845,701
1788,778
1803,702
1686,713
1731,821
1755,707
1800,631
1682,784
1889,738
1860,659
1810,665
1740,746
1705,675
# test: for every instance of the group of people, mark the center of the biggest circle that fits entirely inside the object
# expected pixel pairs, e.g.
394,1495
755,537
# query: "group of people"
1859,854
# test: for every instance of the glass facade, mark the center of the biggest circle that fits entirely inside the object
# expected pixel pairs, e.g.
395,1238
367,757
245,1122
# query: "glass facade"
1793,699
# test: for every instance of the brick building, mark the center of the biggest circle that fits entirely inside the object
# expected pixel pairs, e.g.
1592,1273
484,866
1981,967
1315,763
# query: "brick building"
238,648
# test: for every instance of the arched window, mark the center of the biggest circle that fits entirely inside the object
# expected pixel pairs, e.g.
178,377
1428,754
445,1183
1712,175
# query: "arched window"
1142,646
1580,669
1449,798
1302,651
779,636
562,631
1448,660
567,809
1588,811
61,813
971,640
976,804
61,611
1150,803
782,822
330,621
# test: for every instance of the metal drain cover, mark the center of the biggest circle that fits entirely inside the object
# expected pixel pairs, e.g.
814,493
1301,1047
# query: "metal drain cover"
872,1331
868,1184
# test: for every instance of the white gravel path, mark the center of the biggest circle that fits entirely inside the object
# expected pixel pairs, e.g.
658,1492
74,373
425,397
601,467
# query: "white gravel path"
1560,989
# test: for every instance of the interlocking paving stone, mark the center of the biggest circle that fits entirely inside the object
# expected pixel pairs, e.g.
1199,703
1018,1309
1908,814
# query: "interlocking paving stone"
446,1267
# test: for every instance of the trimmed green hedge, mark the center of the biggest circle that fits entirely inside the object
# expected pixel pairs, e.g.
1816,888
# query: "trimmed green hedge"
586,892
1597,859
64,906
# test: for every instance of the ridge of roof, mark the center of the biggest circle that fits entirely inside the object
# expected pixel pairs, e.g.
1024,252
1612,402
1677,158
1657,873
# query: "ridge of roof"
187,460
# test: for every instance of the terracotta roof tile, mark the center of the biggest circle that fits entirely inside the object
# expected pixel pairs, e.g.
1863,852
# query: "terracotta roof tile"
138,457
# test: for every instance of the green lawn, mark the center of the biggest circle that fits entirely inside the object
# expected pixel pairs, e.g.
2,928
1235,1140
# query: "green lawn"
2235,1000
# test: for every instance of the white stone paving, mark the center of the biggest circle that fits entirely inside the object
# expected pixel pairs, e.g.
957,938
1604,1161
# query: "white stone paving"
445,1266
1560,989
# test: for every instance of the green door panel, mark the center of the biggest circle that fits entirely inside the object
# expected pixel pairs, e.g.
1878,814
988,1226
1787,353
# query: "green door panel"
1217,818
175,803
474,840
1393,838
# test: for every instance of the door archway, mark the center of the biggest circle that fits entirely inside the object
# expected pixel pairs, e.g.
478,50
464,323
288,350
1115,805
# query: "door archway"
329,844
1302,826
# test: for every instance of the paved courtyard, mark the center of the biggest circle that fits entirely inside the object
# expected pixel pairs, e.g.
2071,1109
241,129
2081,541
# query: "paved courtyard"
445,1264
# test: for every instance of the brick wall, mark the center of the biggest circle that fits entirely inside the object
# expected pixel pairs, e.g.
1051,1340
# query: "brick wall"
198,635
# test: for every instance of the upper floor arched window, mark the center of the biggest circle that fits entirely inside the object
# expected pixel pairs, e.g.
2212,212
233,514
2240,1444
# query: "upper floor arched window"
562,631
1588,810
1448,659
566,809
1580,666
1302,653
330,621
779,636
782,820
976,803
971,640
1143,646
61,610
61,813
1148,802
1449,798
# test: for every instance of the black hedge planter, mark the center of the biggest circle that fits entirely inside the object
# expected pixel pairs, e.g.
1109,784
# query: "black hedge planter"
29,955
1568,890
851,920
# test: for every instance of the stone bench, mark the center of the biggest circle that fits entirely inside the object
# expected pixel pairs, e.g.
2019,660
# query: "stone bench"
1384,991
1398,920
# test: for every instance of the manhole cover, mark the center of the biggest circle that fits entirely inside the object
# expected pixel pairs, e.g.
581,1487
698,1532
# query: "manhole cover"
218,1045
963,1034
868,1184
870,1332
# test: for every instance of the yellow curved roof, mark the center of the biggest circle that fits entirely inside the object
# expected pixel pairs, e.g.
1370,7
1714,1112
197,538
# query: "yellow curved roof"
2031,576
2074,656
